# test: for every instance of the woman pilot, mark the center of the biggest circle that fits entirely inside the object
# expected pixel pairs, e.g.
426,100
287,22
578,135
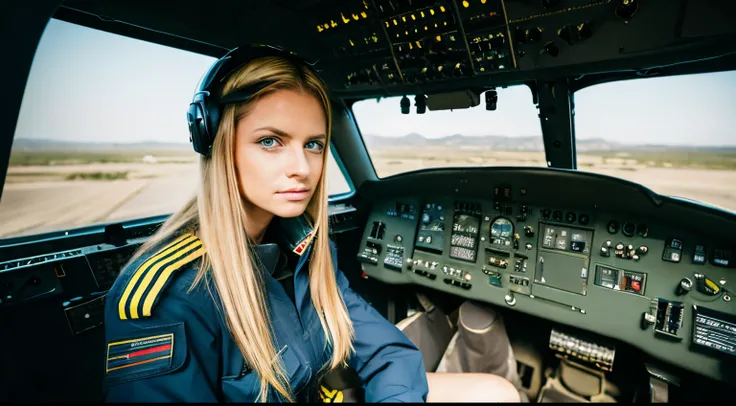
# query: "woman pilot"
237,297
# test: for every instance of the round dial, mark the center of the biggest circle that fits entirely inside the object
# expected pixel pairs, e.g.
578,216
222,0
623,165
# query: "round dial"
502,230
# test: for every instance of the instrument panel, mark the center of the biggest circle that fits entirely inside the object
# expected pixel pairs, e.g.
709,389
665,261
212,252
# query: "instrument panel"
605,265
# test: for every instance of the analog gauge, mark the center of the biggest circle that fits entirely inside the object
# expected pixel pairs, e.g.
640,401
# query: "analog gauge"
502,231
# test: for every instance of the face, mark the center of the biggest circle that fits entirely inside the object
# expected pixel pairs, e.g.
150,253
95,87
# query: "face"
279,148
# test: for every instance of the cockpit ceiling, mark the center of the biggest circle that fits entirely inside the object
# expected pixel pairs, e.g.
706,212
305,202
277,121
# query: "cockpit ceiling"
392,47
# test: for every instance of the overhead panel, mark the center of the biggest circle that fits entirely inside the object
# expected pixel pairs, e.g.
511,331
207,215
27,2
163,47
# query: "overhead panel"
390,42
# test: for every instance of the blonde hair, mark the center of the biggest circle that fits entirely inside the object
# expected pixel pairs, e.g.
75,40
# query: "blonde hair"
217,215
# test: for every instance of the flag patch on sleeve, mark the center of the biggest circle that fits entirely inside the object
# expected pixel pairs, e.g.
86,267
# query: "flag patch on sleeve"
141,354
145,352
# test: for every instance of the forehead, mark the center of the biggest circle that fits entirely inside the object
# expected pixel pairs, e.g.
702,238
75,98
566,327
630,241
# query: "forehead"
295,112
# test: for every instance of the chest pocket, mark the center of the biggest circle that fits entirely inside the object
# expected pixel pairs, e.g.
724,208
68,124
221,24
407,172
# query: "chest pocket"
242,384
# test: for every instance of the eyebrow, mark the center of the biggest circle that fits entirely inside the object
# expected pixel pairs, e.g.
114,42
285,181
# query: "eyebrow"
285,134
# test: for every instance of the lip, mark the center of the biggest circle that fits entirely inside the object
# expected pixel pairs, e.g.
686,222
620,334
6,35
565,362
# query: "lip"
294,194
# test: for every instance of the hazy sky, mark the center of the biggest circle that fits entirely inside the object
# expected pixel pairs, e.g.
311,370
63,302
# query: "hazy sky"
87,85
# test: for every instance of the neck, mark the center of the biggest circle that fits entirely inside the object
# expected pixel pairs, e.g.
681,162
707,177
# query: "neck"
256,222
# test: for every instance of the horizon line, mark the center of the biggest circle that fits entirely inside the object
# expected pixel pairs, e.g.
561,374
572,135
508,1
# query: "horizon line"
187,143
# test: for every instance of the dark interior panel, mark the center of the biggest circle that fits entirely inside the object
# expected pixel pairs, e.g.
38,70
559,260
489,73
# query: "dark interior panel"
609,261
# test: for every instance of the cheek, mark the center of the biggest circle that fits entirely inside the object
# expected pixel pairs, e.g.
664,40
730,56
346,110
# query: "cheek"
253,172
315,166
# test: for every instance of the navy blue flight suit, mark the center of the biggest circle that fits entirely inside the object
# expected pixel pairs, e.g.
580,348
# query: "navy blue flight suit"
167,344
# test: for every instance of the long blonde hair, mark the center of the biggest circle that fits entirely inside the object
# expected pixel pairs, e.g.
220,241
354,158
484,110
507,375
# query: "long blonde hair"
218,216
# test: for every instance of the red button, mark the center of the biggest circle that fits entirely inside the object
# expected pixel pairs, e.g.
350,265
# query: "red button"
636,285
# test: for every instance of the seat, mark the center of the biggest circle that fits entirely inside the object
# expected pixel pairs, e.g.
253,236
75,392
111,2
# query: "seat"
476,344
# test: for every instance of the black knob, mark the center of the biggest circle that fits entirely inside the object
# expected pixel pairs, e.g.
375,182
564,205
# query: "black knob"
642,230
613,226
629,229
684,286
519,36
584,219
565,34
584,31
533,34
529,231
545,214
552,49
627,8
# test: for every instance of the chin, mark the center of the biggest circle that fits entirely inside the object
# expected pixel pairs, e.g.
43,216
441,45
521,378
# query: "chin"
290,210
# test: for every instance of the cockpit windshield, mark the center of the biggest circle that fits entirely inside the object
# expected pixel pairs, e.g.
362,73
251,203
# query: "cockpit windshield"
674,135
508,136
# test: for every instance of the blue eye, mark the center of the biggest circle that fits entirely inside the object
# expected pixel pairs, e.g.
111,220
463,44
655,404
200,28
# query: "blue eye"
269,142
315,145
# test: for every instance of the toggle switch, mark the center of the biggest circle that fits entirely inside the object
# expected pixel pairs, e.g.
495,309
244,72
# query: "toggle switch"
529,231
684,286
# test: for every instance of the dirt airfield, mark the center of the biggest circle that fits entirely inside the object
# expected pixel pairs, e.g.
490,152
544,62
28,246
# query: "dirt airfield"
43,198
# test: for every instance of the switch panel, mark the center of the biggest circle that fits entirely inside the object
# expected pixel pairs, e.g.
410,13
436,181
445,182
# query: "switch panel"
672,250
620,279
520,284
722,257
699,255
494,278
520,265
424,268
370,253
669,318
394,258
377,230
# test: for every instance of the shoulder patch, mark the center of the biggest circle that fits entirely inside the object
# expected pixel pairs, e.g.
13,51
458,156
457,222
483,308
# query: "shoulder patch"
147,282
147,352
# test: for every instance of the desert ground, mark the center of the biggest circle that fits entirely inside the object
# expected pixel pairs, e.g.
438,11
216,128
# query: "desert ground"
716,187
42,197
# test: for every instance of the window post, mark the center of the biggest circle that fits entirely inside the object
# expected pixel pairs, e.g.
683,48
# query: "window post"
555,105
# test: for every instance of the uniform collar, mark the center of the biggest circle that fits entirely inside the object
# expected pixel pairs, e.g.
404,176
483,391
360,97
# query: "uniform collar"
284,236
293,235
270,257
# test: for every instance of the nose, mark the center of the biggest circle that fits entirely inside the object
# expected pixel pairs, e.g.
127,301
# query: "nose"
298,166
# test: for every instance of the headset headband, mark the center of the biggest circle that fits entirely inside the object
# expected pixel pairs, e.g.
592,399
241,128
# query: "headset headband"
203,116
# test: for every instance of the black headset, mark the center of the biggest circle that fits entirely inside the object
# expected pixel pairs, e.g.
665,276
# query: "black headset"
203,116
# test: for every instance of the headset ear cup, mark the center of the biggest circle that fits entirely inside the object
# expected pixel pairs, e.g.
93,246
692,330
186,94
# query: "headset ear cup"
213,114
198,128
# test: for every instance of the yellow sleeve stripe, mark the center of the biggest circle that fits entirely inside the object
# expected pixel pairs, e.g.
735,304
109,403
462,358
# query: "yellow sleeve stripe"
176,244
165,275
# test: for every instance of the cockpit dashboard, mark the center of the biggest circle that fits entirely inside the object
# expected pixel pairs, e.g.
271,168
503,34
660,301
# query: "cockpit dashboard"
579,249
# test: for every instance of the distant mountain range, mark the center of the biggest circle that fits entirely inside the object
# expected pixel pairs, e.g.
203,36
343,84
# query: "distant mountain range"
375,142
505,143
47,144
